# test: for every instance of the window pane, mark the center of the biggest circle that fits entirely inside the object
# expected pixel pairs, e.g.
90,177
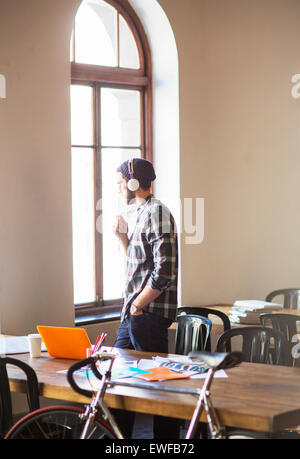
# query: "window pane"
83,225
120,117
81,115
112,205
96,34
129,57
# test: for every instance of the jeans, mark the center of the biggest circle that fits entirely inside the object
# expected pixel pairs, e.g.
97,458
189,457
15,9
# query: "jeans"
149,333
145,332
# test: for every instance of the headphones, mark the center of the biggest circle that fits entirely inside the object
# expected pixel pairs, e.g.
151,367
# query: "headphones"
132,184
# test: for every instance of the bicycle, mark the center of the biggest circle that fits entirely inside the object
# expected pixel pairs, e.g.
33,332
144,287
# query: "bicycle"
96,420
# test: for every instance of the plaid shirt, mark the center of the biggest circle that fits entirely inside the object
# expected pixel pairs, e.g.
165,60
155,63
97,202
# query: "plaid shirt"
152,259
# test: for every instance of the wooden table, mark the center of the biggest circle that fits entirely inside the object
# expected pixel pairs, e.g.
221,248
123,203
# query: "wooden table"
254,396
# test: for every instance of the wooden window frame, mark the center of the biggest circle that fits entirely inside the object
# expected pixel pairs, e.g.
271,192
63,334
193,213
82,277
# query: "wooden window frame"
97,77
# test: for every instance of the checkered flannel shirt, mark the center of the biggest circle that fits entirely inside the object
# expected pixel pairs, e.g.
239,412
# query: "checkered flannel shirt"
152,259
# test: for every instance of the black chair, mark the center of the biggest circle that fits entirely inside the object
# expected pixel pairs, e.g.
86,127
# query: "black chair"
192,333
259,344
6,413
208,312
287,325
291,297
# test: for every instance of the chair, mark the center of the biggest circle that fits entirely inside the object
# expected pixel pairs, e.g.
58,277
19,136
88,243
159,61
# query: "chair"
291,297
6,412
286,324
192,333
207,312
259,344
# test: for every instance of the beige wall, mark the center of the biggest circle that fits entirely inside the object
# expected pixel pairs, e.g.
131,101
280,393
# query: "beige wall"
239,146
35,199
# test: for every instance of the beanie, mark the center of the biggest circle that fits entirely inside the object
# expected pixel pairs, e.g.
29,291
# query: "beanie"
143,171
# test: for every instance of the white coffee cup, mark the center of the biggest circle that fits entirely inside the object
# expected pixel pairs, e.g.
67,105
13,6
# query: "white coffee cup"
35,343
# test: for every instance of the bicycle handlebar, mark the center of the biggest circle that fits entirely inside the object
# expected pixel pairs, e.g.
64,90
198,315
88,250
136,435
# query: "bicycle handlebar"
90,361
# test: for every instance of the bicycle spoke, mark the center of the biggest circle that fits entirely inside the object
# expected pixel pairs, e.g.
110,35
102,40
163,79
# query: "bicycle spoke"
58,423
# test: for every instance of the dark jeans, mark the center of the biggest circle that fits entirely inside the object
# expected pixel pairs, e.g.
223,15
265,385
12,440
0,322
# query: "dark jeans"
149,333
145,332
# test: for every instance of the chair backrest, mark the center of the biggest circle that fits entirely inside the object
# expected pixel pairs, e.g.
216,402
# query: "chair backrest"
6,415
291,297
192,333
259,344
287,325
207,312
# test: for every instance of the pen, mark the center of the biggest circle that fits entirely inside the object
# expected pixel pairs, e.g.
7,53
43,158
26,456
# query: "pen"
97,343
103,339
100,342
97,340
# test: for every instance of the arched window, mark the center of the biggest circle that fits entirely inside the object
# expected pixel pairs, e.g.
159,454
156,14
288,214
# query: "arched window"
110,123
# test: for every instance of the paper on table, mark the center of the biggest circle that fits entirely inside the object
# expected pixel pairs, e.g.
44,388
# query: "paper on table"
145,364
186,360
119,371
177,358
129,372
161,374
218,374
184,366
15,345
250,305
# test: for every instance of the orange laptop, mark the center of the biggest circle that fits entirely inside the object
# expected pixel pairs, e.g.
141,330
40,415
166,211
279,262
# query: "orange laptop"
65,342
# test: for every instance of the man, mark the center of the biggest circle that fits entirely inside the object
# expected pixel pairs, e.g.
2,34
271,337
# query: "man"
150,297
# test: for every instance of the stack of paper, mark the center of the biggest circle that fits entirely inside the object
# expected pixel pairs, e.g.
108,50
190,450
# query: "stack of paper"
15,345
248,311
187,367
119,371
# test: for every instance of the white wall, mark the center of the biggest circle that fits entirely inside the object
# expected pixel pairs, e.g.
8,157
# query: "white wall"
239,144
35,198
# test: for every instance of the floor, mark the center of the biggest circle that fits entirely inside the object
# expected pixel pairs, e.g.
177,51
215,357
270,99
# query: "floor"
143,427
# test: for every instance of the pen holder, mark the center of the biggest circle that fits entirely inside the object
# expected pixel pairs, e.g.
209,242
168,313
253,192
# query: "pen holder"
89,351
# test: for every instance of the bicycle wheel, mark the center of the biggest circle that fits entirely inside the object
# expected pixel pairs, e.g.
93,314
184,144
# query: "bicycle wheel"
244,435
58,422
249,434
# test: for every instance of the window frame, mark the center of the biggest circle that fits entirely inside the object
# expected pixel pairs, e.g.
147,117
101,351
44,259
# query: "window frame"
97,76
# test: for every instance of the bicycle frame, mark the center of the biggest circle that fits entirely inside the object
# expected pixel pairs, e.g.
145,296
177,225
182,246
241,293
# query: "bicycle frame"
97,401
204,403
